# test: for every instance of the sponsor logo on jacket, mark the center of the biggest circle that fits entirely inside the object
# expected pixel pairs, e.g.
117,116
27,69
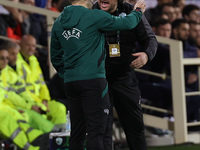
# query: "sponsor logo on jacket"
74,32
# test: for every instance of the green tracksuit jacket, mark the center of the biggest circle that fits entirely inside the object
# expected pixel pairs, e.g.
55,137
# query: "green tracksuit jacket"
77,41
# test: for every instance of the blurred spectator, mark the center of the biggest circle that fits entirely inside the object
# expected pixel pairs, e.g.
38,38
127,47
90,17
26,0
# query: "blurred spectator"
163,16
56,5
178,11
179,3
64,4
152,13
194,33
160,93
22,98
181,30
21,118
15,12
18,23
160,63
191,13
6,22
31,25
42,53
170,11
9,19
29,69
7,121
163,28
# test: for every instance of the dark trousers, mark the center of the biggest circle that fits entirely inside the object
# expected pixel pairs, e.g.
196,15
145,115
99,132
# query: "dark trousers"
89,108
125,97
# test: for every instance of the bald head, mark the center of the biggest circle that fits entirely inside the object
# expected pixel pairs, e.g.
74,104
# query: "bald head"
28,46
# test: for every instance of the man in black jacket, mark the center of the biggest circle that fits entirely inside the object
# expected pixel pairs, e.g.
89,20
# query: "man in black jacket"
123,85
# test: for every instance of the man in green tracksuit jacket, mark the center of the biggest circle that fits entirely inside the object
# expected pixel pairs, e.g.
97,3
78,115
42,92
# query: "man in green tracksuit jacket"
78,55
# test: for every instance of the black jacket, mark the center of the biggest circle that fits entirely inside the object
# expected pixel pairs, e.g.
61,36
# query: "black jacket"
5,22
118,68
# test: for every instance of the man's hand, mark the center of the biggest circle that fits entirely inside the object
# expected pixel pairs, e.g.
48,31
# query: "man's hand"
20,111
140,61
192,78
140,4
36,108
45,102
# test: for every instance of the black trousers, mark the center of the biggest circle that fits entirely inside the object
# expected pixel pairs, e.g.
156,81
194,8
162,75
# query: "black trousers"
125,96
89,108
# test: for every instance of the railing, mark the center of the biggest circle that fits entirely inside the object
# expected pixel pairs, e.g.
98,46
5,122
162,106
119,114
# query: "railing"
179,126
178,88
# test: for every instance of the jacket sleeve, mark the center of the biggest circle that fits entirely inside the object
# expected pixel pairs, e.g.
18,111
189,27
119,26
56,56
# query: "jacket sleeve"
56,54
17,100
20,88
190,51
26,95
146,38
12,97
2,94
107,22
44,91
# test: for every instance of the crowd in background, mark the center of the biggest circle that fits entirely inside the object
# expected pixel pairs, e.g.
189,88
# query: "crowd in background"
28,112
172,19
178,21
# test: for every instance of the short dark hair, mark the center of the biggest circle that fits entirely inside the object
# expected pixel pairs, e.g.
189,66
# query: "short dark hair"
188,8
54,1
177,23
168,4
176,1
161,21
9,44
193,22
2,48
64,4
